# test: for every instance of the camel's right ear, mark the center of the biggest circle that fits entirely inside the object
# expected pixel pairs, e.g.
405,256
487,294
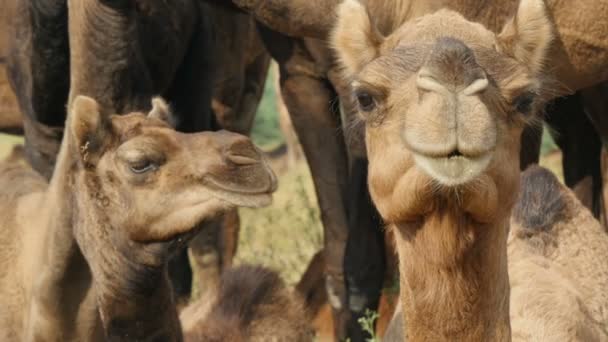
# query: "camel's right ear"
355,39
529,35
87,126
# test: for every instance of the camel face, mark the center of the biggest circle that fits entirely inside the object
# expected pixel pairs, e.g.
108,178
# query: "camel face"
159,182
444,99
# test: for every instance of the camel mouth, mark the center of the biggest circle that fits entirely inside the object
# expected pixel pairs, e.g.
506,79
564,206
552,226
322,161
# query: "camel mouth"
453,169
244,196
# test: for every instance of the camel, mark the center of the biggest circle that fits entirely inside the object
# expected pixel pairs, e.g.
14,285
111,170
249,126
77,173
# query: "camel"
296,33
253,304
445,101
127,192
190,52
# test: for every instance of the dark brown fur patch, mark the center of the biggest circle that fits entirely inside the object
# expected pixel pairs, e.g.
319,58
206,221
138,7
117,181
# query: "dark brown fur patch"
244,288
541,201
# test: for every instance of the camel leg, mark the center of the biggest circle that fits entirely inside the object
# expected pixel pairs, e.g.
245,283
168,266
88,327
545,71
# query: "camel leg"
294,151
597,107
308,100
364,262
190,98
38,70
581,146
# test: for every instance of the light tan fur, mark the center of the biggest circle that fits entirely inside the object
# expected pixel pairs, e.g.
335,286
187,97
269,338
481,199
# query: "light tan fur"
85,257
556,249
445,102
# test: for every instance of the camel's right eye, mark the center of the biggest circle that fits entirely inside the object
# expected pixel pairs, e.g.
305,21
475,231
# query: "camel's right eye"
366,101
142,166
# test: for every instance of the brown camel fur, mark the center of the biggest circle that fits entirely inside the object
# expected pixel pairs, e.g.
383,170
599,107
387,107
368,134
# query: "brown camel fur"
557,271
253,304
578,58
445,101
85,258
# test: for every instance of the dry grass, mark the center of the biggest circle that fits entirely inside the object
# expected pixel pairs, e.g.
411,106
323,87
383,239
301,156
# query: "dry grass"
285,235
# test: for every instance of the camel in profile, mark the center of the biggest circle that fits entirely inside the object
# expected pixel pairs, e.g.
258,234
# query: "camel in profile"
445,101
85,257
253,304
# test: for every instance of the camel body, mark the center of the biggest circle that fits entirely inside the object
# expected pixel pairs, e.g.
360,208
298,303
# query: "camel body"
25,245
252,304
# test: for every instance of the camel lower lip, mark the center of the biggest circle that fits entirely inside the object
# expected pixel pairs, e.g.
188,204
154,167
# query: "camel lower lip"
453,170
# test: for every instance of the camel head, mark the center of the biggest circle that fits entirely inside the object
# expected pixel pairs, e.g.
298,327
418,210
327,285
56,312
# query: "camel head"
444,101
155,183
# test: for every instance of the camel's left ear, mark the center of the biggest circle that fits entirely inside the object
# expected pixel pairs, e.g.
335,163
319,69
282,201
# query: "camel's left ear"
355,39
88,127
161,111
528,36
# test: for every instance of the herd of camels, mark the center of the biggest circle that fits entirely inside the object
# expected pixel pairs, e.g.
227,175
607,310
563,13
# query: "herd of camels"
421,123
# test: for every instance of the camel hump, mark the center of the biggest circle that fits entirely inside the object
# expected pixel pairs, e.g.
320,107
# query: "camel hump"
18,153
542,201
245,288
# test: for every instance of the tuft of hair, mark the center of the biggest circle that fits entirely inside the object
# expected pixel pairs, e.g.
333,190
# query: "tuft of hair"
162,111
541,202
355,39
529,35
252,304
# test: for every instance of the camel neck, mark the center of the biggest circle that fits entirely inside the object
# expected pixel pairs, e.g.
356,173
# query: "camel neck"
454,280
132,288
62,306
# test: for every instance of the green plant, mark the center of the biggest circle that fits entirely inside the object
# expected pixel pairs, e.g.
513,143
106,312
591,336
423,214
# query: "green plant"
367,323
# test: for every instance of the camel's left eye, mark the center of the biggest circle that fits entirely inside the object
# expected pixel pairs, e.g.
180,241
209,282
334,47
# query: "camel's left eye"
142,166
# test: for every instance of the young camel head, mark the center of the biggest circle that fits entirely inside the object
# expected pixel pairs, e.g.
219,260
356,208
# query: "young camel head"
445,101
156,183
139,191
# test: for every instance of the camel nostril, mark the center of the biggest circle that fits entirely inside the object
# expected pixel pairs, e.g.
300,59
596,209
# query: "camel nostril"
454,153
243,152
241,160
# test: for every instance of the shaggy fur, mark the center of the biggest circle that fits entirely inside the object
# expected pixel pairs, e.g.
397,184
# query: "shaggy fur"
253,304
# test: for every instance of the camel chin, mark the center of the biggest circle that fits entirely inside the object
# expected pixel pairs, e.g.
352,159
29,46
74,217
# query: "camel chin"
453,171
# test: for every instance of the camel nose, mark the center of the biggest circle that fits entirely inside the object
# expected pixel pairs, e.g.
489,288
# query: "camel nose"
451,66
239,149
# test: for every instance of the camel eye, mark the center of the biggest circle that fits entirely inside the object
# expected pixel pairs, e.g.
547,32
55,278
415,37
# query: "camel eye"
523,103
142,166
366,101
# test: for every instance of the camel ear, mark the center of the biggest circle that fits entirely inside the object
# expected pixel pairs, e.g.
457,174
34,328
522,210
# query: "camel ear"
528,36
161,111
88,126
355,39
